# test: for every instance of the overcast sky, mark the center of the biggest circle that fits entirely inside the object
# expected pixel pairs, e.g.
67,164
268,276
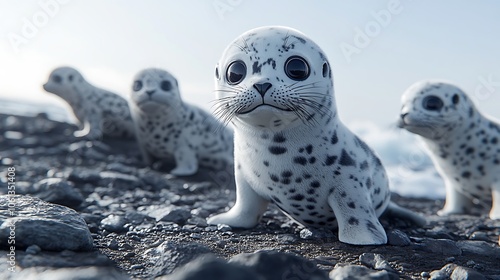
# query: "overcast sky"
376,48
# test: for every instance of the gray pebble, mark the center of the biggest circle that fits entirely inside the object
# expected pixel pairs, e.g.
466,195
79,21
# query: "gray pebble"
114,223
309,234
472,247
348,272
33,250
56,190
223,228
113,245
287,239
444,247
396,237
375,261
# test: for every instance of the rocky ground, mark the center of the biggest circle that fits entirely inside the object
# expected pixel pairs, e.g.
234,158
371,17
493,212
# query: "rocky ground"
91,210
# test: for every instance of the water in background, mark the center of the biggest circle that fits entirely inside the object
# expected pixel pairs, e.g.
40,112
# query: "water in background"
410,170
24,108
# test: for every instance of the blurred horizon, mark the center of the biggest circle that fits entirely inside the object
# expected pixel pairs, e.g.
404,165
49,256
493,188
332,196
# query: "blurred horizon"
377,49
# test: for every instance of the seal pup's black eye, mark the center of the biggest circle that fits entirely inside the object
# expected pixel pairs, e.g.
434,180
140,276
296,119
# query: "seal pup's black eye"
57,79
326,70
432,103
166,85
296,68
236,72
137,85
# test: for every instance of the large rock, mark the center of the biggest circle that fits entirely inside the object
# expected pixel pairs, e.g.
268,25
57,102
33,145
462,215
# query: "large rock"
80,273
168,256
58,191
272,265
32,221
211,268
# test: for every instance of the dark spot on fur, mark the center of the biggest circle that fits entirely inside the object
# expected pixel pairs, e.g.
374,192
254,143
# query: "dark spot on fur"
309,149
274,178
330,160
277,150
300,160
279,138
353,221
334,140
297,197
346,159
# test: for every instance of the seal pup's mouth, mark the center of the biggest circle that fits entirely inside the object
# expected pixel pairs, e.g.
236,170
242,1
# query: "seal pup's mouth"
263,106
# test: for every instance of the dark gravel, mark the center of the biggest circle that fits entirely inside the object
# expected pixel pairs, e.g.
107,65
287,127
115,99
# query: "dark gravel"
144,225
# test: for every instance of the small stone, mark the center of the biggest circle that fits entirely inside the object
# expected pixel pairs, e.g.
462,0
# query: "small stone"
223,228
114,223
56,190
444,273
84,176
170,255
211,268
33,250
113,245
444,247
309,234
195,235
136,266
120,168
478,235
347,272
461,273
396,237
425,274
278,265
375,261
472,247
287,239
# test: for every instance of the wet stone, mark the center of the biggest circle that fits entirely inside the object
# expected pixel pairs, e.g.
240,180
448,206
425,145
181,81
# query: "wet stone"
36,222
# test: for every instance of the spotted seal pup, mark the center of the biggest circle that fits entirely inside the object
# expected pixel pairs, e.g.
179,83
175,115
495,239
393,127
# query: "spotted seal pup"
100,112
167,127
463,144
275,86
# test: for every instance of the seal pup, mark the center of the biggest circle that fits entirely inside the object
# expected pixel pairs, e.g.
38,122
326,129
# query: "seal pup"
99,112
167,127
462,143
275,86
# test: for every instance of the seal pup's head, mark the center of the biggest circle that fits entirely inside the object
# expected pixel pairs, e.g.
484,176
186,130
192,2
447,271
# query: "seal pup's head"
434,109
155,89
272,77
64,82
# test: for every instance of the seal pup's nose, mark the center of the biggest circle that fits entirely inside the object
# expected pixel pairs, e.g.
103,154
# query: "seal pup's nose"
262,88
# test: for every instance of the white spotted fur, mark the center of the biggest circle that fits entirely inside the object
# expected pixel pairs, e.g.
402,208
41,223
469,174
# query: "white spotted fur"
167,127
99,112
463,144
291,147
